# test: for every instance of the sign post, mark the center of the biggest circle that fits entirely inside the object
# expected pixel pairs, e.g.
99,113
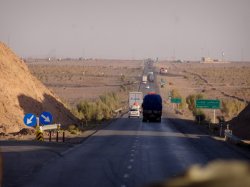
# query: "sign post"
177,101
208,104
45,118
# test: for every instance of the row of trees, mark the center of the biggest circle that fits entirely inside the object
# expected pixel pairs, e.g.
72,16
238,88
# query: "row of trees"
98,110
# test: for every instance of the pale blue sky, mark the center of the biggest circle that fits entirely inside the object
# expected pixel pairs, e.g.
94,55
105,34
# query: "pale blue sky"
186,29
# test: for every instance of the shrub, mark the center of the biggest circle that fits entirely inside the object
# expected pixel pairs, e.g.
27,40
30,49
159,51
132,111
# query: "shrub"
73,129
123,88
232,107
99,109
122,78
199,114
190,100
175,94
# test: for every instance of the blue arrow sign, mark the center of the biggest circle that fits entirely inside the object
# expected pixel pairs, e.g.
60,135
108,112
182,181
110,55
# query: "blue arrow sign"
45,118
29,120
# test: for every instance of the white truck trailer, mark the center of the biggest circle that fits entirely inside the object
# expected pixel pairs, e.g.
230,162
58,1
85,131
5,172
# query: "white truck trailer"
144,79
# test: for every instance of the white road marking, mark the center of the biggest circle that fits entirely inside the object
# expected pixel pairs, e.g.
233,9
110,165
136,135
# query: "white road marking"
126,175
131,160
129,167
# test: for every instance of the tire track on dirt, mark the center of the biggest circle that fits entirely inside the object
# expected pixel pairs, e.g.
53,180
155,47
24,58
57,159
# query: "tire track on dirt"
221,92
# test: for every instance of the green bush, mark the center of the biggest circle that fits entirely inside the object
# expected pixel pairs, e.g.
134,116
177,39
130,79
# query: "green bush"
99,109
190,100
122,78
232,107
73,129
175,94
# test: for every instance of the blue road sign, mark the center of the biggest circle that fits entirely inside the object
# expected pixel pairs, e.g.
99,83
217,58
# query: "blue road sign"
29,120
45,118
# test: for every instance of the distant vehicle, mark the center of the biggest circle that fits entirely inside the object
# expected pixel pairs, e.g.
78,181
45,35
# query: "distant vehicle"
147,87
135,99
144,79
152,107
134,112
151,76
163,71
135,102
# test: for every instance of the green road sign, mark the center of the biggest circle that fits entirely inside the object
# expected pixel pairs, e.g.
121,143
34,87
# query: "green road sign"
176,100
211,104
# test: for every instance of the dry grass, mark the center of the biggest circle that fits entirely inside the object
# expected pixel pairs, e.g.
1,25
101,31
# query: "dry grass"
74,81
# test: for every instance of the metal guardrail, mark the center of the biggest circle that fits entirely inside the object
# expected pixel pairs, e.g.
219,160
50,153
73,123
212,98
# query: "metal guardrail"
230,137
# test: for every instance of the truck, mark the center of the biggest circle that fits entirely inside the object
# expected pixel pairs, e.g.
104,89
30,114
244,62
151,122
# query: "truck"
144,79
135,102
151,76
152,107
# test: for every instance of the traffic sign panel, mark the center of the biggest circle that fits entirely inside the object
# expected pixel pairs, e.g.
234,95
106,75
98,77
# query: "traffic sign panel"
210,104
176,100
50,127
46,118
29,120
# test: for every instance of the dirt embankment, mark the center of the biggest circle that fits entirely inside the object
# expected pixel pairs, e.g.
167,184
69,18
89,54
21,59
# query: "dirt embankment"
241,125
21,93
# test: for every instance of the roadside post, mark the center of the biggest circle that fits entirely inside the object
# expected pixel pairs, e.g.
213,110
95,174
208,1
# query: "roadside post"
220,129
228,133
39,134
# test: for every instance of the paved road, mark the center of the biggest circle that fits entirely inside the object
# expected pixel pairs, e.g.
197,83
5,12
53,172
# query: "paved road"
132,153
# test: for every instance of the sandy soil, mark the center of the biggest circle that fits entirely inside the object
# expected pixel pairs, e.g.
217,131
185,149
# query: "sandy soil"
214,81
75,80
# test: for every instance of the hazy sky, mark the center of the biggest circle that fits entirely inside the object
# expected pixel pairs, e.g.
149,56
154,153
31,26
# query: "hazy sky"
184,29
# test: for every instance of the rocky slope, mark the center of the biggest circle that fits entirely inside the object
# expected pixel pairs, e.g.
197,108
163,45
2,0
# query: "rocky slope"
21,93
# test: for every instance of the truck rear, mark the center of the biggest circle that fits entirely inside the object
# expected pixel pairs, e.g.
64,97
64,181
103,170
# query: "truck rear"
151,76
152,107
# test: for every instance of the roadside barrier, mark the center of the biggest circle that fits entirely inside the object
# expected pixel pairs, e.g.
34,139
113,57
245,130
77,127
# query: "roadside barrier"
39,135
57,133
49,130
230,137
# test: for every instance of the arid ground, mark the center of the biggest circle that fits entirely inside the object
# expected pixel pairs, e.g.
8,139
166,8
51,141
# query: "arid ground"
77,80
223,81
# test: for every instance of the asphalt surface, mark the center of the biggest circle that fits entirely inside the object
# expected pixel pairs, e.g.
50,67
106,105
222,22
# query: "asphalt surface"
126,153
132,153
